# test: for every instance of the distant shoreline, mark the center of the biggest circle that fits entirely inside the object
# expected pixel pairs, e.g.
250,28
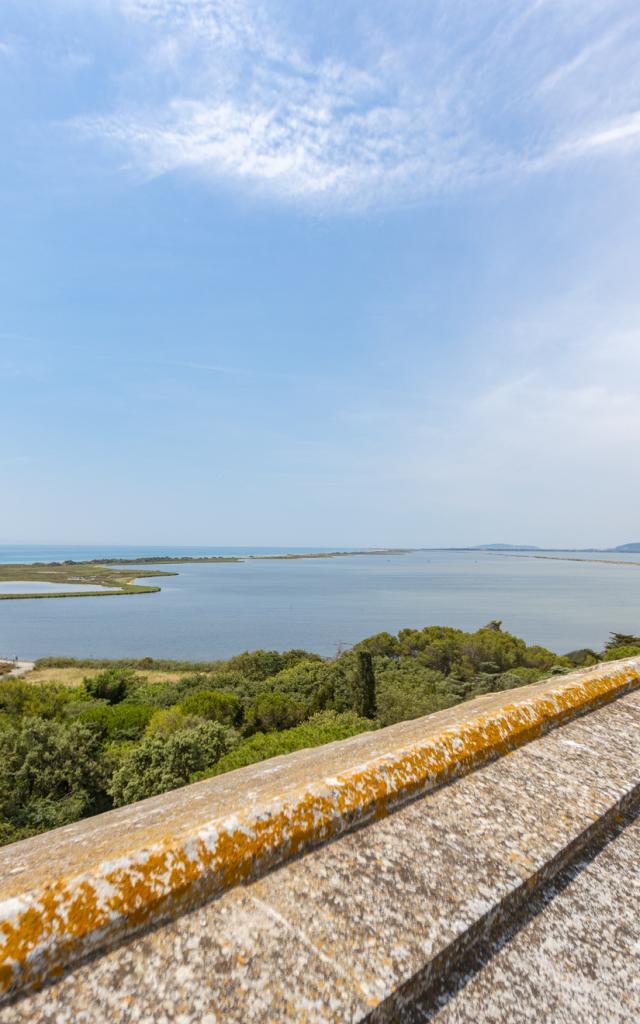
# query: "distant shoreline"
112,581
117,582
568,558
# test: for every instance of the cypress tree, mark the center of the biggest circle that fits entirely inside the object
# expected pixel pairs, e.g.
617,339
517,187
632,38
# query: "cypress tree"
366,685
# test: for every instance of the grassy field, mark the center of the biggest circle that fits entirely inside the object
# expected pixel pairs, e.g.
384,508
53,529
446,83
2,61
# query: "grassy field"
121,581
73,676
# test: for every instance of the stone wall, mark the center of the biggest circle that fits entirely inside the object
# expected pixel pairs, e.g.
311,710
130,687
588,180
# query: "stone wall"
97,884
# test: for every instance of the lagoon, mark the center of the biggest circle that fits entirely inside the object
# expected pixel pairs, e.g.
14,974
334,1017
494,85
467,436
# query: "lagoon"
324,605
27,587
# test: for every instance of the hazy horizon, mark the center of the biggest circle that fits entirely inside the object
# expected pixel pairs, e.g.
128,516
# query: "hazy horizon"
173,547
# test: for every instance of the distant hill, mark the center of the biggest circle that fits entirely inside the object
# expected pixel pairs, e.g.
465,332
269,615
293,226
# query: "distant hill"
627,547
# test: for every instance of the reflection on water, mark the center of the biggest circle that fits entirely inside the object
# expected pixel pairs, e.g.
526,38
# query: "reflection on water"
214,611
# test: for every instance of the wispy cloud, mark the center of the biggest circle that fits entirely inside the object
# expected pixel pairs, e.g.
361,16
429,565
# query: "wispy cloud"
368,106
620,132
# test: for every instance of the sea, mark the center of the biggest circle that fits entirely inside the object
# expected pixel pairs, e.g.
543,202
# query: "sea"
208,612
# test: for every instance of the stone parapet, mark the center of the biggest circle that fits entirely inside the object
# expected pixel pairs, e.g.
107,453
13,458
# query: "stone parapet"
95,884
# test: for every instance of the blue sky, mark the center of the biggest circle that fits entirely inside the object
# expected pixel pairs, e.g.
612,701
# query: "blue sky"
332,274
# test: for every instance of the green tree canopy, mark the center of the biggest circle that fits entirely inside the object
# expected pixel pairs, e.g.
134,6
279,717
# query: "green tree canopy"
50,774
271,711
214,706
161,763
112,685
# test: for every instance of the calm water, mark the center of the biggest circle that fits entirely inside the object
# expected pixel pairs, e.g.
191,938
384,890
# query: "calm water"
214,611
26,587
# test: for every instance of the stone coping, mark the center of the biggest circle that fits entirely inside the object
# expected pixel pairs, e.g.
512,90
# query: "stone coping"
70,892
383,918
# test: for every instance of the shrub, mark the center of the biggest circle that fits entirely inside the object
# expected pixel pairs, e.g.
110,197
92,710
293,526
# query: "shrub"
492,645
161,763
527,675
582,657
44,700
615,653
129,721
259,665
95,716
271,711
507,681
168,692
437,647
166,721
312,683
224,680
213,706
382,644
119,722
111,685
407,691
539,657
321,728
50,774
157,695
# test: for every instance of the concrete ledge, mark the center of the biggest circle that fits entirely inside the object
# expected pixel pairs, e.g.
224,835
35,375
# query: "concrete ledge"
100,885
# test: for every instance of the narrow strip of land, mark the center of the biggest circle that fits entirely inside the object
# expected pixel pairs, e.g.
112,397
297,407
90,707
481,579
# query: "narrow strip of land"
112,581
108,581
568,558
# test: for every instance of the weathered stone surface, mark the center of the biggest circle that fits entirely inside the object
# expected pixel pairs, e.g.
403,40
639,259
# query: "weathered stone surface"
370,924
574,956
76,890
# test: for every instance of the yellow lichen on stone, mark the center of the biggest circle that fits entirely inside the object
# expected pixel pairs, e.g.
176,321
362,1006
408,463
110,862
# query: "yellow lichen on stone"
45,930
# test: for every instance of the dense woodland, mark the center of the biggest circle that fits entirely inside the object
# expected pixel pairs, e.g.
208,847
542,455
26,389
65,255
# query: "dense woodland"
67,752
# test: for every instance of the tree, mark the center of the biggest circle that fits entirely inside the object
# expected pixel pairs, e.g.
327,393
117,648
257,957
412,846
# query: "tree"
257,665
405,691
161,763
325,727
583,657
117,722
382,644
111,685
214,706
366,689
622,640
50,774
20,699
260,665
305,679
166,721
616,653
271,711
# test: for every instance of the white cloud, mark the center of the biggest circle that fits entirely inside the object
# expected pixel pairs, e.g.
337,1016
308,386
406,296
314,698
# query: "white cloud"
383,104
621,132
